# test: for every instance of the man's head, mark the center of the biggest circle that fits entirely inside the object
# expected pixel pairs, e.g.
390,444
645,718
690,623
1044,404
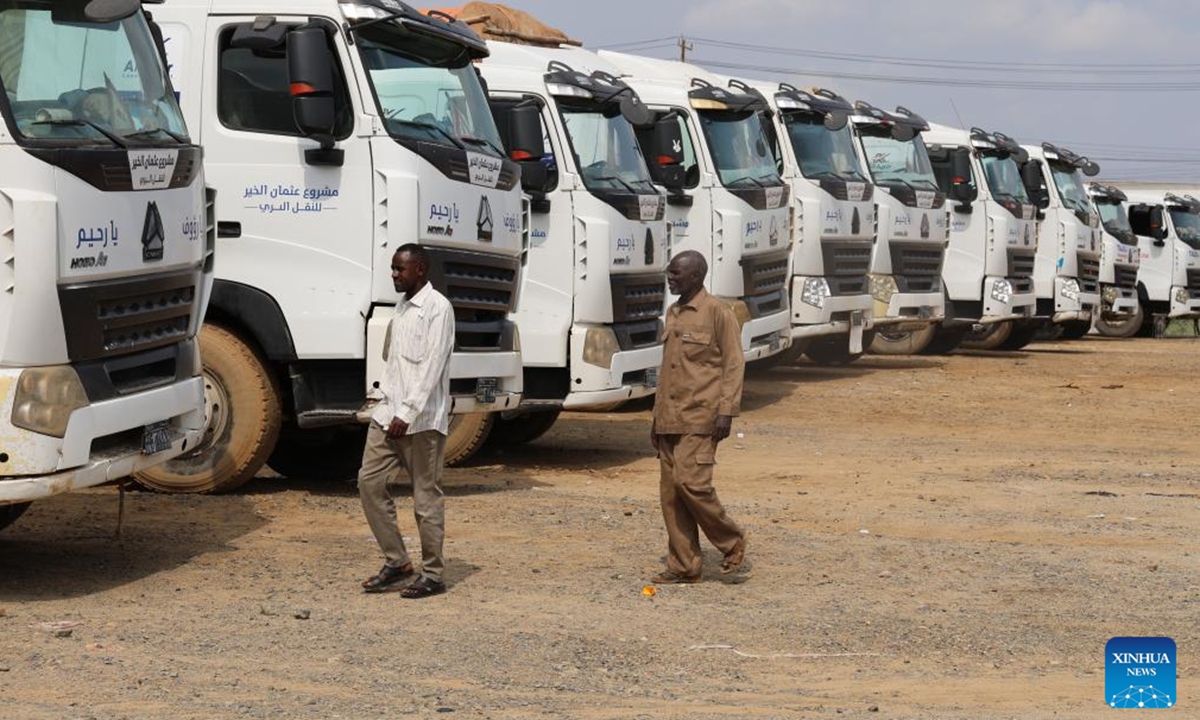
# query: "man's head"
410,269
686,273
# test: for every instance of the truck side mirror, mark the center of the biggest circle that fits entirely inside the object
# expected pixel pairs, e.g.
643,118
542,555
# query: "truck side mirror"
1158,225
961,187
526,145
96,11
1031,178
310,77
666,148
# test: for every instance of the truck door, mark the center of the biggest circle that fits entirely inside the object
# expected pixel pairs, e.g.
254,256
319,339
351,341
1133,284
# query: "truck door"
298,230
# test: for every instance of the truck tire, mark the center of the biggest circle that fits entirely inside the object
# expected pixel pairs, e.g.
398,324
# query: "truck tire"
791,356
242,415
1121,328
1021,335
521,430
467,434
10,513
912,342
324,453
1075,329
835,349
990,337
946,339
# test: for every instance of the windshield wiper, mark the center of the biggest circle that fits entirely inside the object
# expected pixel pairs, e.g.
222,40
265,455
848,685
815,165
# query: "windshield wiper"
482,142
743,180
430,126
614,178
929,183
78,122
145,133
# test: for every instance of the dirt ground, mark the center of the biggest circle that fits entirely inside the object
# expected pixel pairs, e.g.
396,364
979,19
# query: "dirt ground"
929,538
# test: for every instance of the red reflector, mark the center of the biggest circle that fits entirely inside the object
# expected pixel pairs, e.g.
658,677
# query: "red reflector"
665,160
520,155
959,181
302,89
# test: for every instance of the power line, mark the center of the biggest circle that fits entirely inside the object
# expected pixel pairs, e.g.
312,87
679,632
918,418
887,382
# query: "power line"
614,46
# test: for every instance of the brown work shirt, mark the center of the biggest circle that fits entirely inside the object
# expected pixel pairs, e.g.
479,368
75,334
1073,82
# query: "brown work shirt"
702,367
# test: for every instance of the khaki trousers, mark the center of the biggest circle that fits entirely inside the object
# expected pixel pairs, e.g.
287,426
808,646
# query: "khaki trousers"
690,503
421,455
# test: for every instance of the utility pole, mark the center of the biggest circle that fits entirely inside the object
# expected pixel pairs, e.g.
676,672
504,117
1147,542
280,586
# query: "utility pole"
684,46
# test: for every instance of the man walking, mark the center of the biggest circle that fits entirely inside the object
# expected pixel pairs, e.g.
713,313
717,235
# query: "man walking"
408,428
699,391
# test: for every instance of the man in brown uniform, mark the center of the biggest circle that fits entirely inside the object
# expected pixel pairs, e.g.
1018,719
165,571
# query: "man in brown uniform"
700,389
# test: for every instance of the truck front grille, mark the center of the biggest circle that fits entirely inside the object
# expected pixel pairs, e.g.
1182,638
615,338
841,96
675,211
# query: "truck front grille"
117,317
917,267
764,274
846,257
1193,279
1089,274
638,297
1020,263
480,287
1125,276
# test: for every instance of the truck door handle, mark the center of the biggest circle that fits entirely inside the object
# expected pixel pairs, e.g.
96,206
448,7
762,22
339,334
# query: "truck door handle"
226,229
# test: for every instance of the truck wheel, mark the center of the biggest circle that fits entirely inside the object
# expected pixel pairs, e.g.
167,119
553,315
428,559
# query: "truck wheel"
10,513
242,417
946,339
835,349
903,343
521,430
1126,327
467,434
325,453
1075,329
791,356
1021,335
989,337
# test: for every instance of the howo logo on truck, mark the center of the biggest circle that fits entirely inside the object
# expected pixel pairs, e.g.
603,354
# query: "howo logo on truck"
153,236
925,226
649,247
483,220
855,223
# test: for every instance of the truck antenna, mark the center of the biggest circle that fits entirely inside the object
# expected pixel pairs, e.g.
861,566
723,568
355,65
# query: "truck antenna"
961,124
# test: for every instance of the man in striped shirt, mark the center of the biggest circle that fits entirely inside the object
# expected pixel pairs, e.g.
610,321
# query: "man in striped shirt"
408,428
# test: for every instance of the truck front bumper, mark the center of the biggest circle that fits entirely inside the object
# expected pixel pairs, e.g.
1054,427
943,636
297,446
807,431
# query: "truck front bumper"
910,311
631,374
498,381
765,336
1185,302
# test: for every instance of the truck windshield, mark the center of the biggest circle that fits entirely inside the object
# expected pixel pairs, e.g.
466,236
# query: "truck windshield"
606,150
80,82
822,152
427,89
1116,222
740,148
1004,177
1069,181
898,162
1187,227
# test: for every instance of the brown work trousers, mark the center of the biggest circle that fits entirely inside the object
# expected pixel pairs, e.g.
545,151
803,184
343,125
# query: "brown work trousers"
690,503
422,456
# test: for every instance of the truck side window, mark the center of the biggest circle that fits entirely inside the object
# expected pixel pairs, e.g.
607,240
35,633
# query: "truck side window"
500,108
253,93
691,168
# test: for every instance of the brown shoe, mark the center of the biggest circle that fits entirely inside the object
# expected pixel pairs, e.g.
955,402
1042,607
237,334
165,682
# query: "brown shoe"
670,577
387,579
734,559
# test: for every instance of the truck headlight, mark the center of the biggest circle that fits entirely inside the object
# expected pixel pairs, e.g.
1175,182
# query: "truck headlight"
1182,296
45,399
1070,289
599,346
883,287
814,292
740,310
1002,291
1109,294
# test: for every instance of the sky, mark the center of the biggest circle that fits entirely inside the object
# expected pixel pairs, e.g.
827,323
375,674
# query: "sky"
1116,80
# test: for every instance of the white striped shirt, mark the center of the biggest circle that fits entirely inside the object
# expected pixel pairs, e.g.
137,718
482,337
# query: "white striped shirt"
416,379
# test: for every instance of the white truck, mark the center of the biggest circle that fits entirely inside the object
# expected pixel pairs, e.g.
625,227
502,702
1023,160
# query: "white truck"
725,196
338,131
1121,313
833,214
106,235
592,292
988,274
1167,226
911,229
1066,274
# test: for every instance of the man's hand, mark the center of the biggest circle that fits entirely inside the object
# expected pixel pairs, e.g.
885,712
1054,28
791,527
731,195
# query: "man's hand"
399,429
721,427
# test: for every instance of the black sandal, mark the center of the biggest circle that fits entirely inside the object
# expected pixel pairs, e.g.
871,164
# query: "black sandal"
387,578
423,587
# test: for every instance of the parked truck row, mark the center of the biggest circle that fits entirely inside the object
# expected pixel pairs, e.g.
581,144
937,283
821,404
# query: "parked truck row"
551,184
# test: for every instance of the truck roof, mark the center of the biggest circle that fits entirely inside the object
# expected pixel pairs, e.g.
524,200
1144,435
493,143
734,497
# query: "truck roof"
665,76
529,63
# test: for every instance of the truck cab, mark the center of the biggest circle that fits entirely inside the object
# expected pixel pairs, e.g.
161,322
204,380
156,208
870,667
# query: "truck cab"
107,235
833,216
1167,226
911,228
592,288
1067,268
989,268
1120,313
725,196
340,131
